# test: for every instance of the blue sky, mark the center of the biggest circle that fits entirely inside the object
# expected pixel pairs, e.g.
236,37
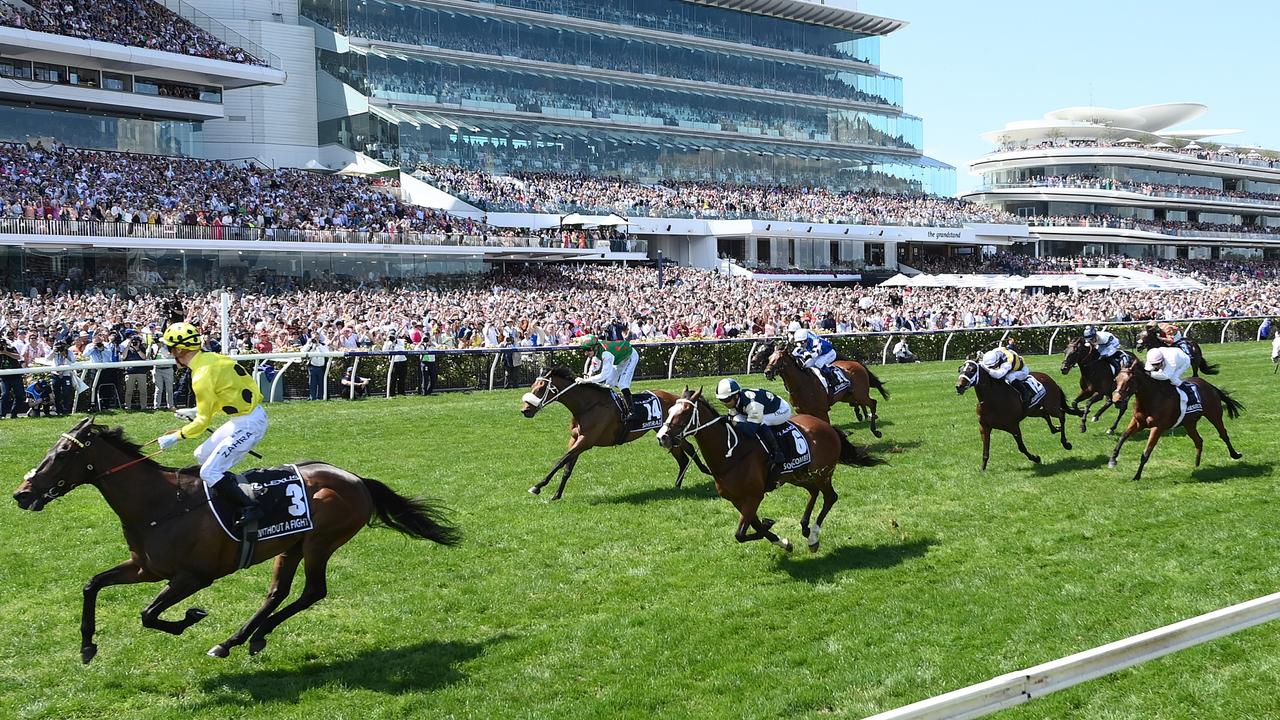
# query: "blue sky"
969,67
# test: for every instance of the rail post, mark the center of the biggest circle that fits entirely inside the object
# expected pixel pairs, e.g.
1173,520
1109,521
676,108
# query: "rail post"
1223,337
279,376
751,356
325,383
945,344
884,353
355,362
671,362
493,370
1051,339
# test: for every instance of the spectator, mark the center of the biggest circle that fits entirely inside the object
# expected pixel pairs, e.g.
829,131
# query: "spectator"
135,378
161,376
62,381
316,364
39,397
399,363
902,352
351,381
11,397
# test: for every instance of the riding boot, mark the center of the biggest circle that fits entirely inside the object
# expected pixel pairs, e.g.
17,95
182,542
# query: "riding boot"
1026,392
775,456
228,488
626,405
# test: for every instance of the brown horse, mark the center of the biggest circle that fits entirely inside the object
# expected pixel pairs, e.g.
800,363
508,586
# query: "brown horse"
810,397
740,465
594,422
1000,408
172,534
1150,338
1156,406
1097,381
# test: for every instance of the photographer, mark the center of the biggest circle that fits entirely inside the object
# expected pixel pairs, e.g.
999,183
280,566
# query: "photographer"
135,378
316,343
399,363
39,397
63,381
101,351
10,385
161,376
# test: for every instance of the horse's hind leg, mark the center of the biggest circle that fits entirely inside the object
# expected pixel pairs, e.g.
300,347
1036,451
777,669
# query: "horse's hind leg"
1222,433
808,512
873,415
986,445
286,566
564,479
315,563
180,588
749,509
1123,409
125,573
1194,434
1062,427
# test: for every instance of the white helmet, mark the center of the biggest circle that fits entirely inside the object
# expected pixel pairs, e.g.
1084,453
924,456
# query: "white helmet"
801,335
1156,358
993,358
727,388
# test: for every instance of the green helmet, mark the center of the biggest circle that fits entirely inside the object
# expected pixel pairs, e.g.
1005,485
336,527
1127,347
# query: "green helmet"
589,342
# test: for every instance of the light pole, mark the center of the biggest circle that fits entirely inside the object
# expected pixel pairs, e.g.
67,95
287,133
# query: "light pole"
660,264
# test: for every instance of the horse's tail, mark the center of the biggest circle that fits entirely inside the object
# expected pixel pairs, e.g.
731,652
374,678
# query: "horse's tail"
876,383
851,454
411,516
1234,407
1205,367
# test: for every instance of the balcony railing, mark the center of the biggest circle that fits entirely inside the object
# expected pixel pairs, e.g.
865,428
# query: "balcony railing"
1112,187
30,226
222,32
1128,224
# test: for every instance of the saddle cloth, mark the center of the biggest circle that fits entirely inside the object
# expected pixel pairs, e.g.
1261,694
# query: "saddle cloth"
1188,401
794,446
1037,391
282,495
837,380
646,411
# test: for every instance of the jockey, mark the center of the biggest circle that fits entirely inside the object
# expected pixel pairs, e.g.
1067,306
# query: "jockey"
1107,345
1005,364
814,351
220,385
1275,349
618,361
754,410
1168,364
1170,333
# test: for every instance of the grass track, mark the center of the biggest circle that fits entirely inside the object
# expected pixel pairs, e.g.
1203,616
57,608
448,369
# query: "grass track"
630,599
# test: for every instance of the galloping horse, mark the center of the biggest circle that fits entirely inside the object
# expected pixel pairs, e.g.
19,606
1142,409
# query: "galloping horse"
1000,407
740,465
810,397
172,534
1156,406
1150,338
1097,381
594,421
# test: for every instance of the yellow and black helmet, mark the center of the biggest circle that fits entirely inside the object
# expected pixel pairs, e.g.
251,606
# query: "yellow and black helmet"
183,336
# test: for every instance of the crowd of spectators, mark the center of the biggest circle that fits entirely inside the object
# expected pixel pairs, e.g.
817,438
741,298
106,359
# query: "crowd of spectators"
1167,227
1094,182
1240,156
552,192
1223,271
553,305
138,23
140,191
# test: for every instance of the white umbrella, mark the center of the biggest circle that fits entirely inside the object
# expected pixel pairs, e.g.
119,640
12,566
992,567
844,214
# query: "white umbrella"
1193,145
1128,141
574,219
1161,144
613,220
898,280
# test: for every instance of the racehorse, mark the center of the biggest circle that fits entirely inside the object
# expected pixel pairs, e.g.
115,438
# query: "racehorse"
1156,406
740,465
1149,338
808,395
172,535
1000,407
594,422
1097,381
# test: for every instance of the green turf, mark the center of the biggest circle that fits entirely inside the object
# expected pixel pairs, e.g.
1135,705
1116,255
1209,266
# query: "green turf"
630,599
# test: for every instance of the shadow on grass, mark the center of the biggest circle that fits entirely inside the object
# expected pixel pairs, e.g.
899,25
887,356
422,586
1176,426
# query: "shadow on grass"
696,486
890,446
827,564
420,667
1071,464
1233,470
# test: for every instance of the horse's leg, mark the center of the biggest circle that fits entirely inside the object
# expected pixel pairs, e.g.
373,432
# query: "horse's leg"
315,564
749,509
1123,409
1194,434
1062,423
872,414
683,461
1017,436
1107,405
985,431
125,573
286,566
808,511
571,454
180,588
1085,416
697,459
1084,395
564,479
829,498
1152,438
1222,433
1129,430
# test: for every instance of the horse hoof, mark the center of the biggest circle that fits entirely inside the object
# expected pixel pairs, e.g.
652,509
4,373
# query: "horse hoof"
195,615
877,433
535,490
785,544
257,645
87,653
1111,431
813,547
219,651
1236,455
1035,459
1066,446
1111,463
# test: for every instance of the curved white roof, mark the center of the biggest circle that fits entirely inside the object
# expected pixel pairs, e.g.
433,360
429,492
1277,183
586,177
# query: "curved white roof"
1092,123
840,14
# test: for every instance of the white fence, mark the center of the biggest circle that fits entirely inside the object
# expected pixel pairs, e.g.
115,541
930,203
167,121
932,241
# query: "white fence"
1023,686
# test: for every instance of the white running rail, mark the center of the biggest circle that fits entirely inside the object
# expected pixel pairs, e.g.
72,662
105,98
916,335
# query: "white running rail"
1022,686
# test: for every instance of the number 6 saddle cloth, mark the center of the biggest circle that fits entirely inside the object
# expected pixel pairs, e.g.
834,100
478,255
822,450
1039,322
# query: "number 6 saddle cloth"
794,446
282,495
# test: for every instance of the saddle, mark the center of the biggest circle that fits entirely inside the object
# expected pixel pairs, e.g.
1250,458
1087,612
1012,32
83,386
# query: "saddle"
837,380
646,412
1031,391
1189,401
282,496
793,445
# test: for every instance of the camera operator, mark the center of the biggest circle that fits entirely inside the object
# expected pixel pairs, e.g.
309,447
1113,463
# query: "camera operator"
161,376
62,381
135,378
101,351
11,385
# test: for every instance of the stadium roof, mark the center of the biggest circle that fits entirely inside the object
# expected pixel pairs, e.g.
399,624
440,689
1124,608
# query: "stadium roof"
1108,123
832,13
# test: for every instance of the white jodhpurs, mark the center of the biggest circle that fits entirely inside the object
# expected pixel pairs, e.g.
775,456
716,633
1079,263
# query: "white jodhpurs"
623,373
230,444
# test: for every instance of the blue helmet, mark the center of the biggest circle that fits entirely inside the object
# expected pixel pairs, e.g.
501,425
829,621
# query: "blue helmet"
1089,332
727,388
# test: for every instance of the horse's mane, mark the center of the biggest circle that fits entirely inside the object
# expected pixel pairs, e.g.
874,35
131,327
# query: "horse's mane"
560,372
116,438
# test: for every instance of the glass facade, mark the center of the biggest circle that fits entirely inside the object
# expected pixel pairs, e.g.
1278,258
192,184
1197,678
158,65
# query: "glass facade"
681,111
672,16
100,131
156,269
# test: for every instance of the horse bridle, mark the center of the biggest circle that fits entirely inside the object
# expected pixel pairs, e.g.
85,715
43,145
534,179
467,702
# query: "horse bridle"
543,400
699,427
971,380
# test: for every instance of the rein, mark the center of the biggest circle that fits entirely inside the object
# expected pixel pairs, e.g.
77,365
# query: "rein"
544,400
699,427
